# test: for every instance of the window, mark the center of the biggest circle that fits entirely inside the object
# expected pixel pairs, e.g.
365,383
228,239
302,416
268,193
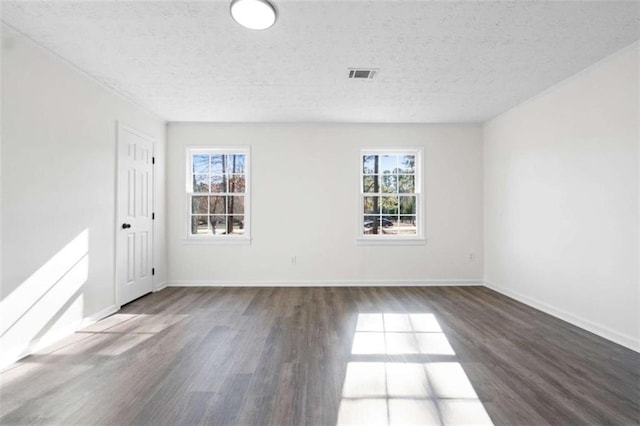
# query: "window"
390,202
218,194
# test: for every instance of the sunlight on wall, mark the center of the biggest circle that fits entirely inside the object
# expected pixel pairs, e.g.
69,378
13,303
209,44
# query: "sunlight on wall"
48,298
378,391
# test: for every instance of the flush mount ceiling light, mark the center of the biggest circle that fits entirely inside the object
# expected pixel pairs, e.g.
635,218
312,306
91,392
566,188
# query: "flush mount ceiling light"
254,14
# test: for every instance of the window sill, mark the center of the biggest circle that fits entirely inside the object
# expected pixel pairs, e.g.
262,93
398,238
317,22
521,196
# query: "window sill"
391,241
217,241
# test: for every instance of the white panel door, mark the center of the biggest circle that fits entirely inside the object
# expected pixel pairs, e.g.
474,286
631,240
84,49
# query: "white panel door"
134,251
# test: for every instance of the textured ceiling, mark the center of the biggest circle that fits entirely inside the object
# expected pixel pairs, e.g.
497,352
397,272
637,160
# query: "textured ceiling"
439,61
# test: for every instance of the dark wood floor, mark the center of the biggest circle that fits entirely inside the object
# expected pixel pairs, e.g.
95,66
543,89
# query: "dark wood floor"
438,355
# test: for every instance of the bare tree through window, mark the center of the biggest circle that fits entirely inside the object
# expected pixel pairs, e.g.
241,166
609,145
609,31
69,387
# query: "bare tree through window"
389,193
218,192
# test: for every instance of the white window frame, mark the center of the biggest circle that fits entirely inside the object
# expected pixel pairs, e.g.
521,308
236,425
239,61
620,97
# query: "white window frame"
393,239
243,239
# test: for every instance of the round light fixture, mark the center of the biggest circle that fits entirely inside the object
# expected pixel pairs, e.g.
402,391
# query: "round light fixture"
254,14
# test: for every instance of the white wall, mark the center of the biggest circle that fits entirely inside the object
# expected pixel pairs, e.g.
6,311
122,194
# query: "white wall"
58,189
305,204
561,199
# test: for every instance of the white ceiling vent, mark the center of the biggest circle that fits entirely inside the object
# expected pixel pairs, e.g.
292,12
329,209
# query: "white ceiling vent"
362,73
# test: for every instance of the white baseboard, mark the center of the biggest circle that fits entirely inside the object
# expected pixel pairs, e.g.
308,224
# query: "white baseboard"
329,283
91,319
160,286
600,330
52,336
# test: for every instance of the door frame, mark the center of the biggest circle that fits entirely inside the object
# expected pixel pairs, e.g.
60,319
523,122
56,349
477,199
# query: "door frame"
122,127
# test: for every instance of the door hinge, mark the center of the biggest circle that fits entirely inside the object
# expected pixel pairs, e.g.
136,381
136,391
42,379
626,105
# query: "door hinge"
153,271
153,216
153,160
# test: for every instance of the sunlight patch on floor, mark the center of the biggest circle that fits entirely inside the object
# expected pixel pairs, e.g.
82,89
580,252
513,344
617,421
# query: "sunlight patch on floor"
383,392
395,334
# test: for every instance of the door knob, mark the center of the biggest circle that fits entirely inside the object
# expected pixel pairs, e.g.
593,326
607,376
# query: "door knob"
126,226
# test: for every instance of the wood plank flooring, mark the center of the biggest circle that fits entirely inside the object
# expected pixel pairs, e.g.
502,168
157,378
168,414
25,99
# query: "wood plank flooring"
326,356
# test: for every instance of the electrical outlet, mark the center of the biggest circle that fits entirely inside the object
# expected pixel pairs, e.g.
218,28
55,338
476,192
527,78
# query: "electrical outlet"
294,260
472,257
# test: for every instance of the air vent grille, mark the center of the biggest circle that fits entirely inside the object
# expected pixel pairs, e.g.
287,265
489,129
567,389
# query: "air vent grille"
362,73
